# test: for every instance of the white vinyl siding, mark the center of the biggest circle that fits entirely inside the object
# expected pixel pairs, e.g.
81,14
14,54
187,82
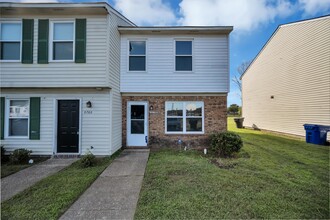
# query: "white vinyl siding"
210,66
93,73
294,68
95,126
114,82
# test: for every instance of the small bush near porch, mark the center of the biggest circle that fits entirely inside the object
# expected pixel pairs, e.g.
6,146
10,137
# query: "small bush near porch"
15,162
272,177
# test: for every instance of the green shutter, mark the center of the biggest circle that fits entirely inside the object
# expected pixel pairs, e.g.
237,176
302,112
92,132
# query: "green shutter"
2,113
35,118
27,47
43,32
80,52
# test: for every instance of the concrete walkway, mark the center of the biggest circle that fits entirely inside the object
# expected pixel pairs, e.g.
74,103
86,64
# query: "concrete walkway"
115,193
17,182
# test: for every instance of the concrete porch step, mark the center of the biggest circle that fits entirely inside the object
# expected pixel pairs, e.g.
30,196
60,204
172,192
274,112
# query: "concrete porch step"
65,156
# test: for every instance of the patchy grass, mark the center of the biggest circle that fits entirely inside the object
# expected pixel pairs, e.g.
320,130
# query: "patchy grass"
272,177
8,169
52,196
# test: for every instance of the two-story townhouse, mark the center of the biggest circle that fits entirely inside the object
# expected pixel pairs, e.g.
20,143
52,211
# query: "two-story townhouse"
60,77
174,84
79,77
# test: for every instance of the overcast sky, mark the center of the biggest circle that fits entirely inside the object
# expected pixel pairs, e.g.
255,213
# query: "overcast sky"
254,20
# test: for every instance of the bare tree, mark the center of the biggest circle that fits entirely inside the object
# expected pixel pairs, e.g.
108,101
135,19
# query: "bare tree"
240,70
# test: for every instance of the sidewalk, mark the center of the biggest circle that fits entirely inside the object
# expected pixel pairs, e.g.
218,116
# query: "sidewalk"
17,182
115,193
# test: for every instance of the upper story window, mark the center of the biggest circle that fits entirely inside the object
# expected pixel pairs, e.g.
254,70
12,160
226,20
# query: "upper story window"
18,117
10,41
183,55
184,117
62,41
137,56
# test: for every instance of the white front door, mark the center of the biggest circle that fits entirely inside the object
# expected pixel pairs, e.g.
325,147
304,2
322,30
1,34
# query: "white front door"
137,124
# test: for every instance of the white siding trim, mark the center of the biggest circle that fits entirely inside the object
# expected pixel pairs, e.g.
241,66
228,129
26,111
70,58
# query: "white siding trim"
14,20
7,106
51,40
192,55
184,119
146,55
174,94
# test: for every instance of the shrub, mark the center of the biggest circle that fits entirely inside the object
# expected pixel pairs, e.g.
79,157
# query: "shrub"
20,156
88,160
4,157
224,144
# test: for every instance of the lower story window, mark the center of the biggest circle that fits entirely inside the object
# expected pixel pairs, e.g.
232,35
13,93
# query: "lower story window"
18,118
184,117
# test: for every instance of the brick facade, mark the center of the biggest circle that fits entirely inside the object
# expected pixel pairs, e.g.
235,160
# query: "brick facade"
215,119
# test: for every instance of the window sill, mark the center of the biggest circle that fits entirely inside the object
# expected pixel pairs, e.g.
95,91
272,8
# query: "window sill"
136,71
10,61
17,137
186,133
61,61
184,72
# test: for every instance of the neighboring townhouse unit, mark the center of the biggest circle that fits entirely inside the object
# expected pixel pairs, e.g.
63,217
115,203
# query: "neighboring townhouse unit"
60,78
79,77
288,83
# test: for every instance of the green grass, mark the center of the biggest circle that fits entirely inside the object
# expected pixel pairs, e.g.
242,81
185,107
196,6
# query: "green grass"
8,169
52,196
275,177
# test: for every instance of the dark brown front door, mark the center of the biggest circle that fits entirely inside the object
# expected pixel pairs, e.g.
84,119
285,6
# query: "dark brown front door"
68,126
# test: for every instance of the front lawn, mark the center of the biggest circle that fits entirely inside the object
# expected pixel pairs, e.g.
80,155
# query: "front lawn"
52,196
8,169
275,177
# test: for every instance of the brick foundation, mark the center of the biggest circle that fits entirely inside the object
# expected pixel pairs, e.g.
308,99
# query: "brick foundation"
215,119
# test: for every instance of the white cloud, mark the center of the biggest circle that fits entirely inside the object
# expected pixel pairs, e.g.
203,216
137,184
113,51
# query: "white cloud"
146,12
312,7
243,15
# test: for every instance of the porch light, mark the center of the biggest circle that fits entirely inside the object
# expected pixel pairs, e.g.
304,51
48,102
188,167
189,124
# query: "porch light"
151,108
88,104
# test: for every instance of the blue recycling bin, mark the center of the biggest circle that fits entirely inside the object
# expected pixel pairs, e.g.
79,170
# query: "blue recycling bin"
316,134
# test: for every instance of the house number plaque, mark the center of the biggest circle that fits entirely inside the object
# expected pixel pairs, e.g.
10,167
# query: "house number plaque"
88,112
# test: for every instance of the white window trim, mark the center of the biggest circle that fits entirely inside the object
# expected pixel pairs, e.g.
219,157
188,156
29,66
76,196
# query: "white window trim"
50,44
184,117
20,52
192,55
7,106
146,55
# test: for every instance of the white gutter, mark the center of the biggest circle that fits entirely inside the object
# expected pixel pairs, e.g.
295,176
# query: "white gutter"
66,5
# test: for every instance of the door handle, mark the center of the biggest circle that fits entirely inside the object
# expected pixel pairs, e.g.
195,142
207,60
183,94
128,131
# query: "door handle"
146,138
